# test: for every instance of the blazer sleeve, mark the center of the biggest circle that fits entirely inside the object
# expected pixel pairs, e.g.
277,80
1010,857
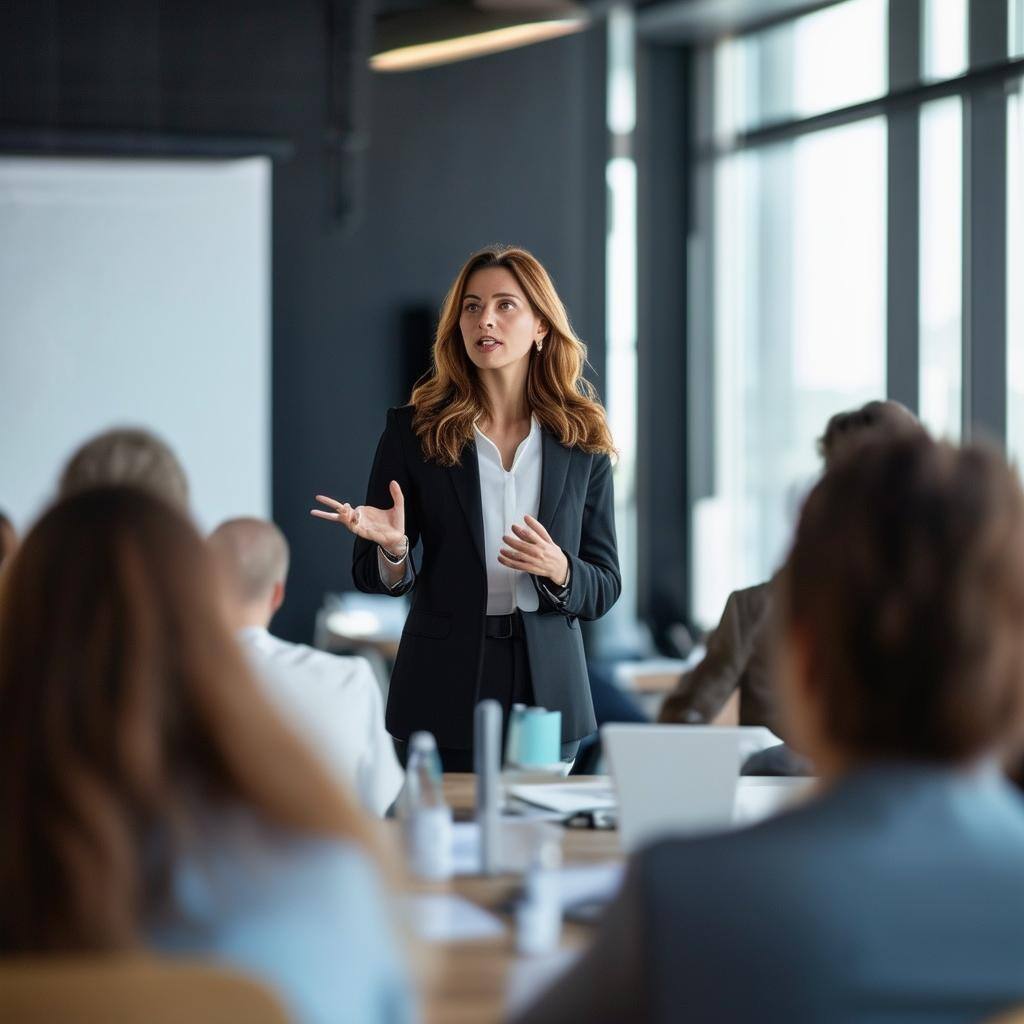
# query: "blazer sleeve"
703,691
389,463
594,581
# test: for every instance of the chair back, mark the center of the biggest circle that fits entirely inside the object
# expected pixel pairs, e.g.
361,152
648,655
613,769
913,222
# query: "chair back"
130,990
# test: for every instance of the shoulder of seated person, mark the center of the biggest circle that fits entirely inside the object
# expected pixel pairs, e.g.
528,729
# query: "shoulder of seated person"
758,592
349,669
306,653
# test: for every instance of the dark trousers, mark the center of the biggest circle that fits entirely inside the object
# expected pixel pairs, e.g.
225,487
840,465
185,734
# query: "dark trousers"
505,677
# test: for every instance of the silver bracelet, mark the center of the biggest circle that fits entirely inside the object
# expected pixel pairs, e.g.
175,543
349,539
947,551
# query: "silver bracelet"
392,558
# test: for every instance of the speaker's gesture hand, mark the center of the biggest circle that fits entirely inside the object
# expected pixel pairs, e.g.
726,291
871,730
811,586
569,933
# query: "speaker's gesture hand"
530,549
385,527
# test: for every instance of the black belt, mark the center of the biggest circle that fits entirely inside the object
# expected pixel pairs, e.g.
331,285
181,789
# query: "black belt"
504,627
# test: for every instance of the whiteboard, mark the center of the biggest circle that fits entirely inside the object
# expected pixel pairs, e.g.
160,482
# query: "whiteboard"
136,292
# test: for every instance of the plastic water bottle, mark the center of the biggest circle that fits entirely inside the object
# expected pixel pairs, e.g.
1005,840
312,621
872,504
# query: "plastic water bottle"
426,818
539,914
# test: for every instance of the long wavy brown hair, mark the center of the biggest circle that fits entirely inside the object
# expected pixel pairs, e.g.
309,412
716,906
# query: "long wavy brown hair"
127,714
452,397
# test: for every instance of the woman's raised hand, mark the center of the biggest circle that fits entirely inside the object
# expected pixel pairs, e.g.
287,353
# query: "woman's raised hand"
385,527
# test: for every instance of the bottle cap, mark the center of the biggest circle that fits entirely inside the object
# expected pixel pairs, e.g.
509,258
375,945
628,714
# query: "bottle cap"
422,741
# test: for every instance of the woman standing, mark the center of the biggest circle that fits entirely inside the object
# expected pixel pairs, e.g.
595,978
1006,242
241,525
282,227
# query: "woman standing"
500,468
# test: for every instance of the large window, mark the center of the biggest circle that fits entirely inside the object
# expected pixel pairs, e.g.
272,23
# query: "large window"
941,256
799,333
944,42
850,240
825,60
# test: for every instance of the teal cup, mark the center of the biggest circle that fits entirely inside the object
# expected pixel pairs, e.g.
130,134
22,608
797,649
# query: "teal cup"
540,738
515,725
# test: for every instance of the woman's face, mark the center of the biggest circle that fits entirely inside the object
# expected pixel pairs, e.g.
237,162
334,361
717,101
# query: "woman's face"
498,324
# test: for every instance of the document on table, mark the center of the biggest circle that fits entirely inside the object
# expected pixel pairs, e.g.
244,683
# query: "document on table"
589,883
568,798
761,796
518,839
443,917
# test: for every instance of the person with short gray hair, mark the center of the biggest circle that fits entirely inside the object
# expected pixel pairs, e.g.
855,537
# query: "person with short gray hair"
131,456
334,701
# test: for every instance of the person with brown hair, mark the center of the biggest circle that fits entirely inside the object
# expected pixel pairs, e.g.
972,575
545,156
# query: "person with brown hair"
149,795
500,467
897,892
126,455
739,650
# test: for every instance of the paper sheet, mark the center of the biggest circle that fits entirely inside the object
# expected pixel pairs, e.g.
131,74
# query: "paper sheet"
442,917
519,840
589,883
568,798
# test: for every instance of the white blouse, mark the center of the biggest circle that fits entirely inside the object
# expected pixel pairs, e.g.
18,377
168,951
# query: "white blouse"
507,495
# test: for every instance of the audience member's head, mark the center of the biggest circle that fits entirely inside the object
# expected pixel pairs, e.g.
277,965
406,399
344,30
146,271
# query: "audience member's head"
871,422
8,538
127,712
126,456
252,558
903,604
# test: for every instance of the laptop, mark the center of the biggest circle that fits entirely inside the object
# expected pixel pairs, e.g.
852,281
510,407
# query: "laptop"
677,779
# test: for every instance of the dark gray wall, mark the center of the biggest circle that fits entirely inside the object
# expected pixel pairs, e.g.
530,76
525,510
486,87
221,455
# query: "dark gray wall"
508,148
502,149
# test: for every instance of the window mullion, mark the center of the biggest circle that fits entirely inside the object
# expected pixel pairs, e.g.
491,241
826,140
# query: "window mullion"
903,155
984,234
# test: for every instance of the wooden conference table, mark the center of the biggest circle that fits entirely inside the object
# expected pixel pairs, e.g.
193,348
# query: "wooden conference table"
465,982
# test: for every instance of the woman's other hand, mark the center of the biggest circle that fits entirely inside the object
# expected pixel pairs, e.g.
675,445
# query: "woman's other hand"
385,527
530,549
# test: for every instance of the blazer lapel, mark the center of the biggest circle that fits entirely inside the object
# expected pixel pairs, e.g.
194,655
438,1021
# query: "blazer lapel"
465,479
554,468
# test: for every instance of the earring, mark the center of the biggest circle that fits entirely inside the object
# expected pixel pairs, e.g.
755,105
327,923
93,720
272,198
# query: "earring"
539,344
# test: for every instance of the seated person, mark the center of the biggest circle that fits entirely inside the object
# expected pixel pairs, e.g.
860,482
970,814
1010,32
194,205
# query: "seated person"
126,455
739,650
333,701
150,795
897,892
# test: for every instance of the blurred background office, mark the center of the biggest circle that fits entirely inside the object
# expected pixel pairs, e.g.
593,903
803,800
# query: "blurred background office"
233,224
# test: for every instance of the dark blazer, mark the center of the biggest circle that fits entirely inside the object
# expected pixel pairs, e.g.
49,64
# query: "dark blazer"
739,656
897,896
435,680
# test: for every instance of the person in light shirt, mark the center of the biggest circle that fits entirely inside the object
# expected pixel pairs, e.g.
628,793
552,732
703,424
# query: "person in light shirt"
333,701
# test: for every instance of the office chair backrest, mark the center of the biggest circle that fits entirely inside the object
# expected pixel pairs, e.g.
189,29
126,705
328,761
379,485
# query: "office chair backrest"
130,990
